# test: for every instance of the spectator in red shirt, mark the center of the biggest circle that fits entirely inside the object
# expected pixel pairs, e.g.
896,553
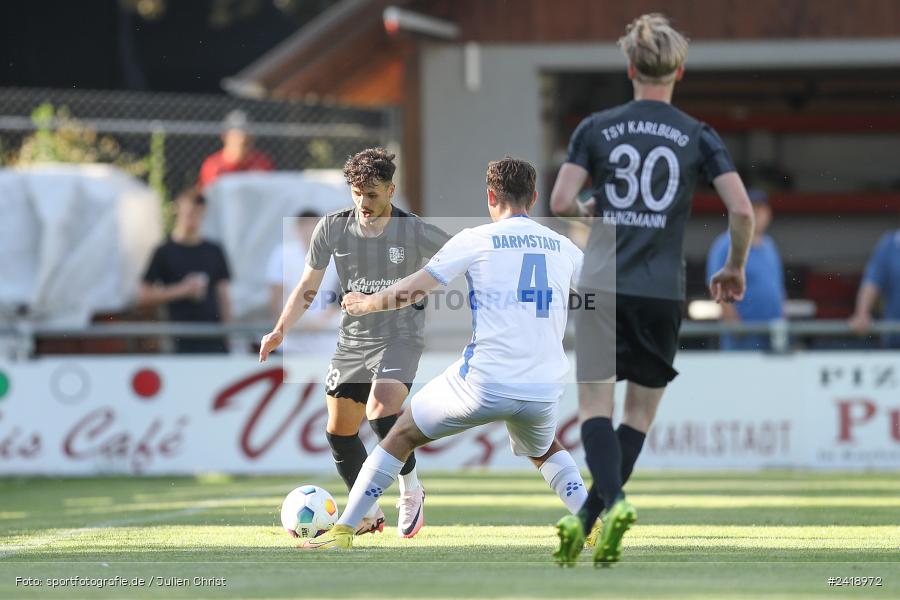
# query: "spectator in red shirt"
237,153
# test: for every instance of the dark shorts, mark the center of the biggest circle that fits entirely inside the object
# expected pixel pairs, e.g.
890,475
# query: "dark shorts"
632,337
353,369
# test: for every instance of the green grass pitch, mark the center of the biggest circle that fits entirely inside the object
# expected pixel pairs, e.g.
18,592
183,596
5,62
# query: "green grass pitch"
699,535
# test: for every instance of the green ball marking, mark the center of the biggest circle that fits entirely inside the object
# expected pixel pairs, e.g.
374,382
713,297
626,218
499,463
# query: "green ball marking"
4,384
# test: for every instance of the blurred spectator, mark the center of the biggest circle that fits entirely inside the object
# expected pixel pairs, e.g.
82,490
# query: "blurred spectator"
189,275
882,278
764,298
286,264
237,153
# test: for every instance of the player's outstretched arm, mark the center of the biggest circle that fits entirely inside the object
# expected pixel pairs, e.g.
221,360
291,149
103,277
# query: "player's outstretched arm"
729,283
297,303
564,197
406,291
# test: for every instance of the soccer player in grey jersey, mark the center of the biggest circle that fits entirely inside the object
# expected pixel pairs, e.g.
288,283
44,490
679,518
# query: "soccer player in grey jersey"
644,159
374,245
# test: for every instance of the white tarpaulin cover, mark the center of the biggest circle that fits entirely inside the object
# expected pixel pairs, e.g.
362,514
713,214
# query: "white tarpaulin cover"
74,240
245,215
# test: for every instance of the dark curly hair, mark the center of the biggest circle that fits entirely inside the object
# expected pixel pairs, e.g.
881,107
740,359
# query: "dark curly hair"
372,165
512,180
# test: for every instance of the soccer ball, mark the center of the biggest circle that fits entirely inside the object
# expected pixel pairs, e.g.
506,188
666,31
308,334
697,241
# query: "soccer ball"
308,511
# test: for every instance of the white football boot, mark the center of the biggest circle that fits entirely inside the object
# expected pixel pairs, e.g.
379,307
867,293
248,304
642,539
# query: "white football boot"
412,512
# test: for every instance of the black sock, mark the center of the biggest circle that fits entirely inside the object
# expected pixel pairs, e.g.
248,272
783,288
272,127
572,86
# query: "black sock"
604,460
349,455
381,426
630,441
591,509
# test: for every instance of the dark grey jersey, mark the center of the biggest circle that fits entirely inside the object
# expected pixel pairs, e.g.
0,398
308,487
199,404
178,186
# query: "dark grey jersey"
370,264
644,158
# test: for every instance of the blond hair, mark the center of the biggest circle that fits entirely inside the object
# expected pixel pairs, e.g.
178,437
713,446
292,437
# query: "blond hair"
654,47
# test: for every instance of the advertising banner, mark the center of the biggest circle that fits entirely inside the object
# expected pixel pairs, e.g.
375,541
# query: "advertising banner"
167,414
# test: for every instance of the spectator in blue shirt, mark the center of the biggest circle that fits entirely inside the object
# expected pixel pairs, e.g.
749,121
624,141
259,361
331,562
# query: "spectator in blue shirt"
882,278
764,298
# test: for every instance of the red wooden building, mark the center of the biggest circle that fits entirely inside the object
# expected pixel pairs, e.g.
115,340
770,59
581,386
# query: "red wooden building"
805,92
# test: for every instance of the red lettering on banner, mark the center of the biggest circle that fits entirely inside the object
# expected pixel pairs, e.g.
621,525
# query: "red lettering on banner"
12,447
895,424
441,445
170,445
33,448
487,447
142,450
90,427
86,440
847,420
314,426
275,378
567,429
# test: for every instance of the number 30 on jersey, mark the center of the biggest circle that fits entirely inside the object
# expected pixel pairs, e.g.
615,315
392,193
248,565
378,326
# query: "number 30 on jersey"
629,155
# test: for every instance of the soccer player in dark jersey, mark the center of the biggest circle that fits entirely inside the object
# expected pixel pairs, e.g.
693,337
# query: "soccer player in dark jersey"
643,159
374,245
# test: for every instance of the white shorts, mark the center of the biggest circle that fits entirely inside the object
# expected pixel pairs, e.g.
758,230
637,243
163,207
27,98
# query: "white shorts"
448,405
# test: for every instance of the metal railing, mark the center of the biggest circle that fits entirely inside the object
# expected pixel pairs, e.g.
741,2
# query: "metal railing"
781,331
21,337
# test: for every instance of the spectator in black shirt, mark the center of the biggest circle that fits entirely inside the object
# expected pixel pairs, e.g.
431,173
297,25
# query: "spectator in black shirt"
189,275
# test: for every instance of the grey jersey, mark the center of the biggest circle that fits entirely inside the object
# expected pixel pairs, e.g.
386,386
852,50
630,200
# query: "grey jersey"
644,158
368,265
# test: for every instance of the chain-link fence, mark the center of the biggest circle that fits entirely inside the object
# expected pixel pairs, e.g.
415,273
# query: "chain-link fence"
164,138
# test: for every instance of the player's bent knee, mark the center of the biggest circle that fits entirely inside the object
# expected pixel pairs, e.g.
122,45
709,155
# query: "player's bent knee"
344,416
342,425
554,448
386,399
376,409
402,441
407,432
338,428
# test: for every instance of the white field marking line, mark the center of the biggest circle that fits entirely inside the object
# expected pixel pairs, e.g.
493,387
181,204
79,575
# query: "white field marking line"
198,507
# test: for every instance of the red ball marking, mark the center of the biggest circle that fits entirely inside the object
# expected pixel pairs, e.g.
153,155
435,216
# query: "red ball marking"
146,383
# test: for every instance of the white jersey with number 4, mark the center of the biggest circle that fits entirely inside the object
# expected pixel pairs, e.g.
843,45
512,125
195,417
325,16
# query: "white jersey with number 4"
519,274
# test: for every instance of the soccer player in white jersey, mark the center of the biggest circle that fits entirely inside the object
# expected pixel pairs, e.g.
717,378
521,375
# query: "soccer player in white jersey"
519,275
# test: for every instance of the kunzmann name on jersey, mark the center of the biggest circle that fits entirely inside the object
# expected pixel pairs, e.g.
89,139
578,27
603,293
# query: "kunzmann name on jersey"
525,241
649,128
634,219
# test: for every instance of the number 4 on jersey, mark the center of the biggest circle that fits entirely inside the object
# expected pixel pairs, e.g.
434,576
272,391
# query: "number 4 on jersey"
534,285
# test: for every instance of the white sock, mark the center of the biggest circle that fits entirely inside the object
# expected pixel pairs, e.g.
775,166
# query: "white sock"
409,482
561,472
377,474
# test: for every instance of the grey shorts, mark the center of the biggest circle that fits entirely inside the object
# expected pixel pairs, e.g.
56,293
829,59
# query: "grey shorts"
353,369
